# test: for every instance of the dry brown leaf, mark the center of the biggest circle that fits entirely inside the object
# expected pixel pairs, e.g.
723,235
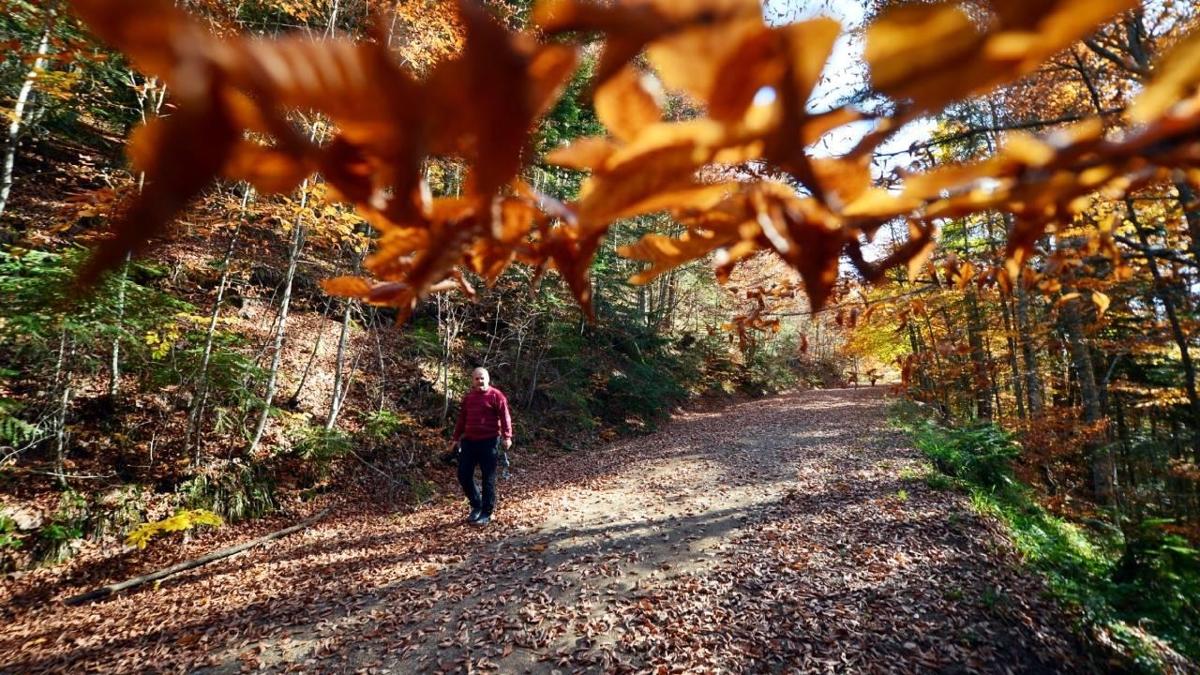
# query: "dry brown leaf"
625,106
347,286
665,253
588,154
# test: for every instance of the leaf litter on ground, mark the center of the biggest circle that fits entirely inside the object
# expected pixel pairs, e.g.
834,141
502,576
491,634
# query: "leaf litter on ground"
764,536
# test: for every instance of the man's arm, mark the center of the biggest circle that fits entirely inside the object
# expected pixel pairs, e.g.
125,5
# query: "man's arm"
460,426
505,421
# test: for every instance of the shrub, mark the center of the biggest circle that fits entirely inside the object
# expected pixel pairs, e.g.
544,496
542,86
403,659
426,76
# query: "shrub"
182,521
981,455
235,491
381,425
320,445
1133,590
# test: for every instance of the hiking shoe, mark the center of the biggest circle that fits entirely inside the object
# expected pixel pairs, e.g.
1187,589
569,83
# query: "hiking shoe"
475,514
482,520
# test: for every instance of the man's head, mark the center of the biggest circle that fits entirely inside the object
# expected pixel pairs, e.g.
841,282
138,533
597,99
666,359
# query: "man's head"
480,379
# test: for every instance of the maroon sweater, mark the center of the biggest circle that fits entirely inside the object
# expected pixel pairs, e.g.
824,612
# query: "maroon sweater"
483,415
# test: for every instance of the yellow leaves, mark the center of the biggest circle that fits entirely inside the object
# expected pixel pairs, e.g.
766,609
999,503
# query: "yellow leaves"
180,522
268,170
682,62
1027,149
934,54
549,71
808,46
912,50
1100,300
960,273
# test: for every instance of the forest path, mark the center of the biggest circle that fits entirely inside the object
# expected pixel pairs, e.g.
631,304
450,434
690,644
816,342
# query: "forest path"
783,534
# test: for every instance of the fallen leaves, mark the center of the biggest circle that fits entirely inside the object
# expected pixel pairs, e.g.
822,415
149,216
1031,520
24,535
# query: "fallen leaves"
716,543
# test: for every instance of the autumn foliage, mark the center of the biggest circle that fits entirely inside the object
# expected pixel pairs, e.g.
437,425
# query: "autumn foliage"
234,96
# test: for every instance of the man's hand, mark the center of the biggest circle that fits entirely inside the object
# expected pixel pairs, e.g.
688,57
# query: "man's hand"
450,456
507,443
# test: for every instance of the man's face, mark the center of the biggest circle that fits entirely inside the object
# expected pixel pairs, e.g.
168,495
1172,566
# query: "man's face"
479,379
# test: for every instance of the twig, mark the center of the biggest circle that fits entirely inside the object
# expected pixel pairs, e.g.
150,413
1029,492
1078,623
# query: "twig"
975,131
377,470
81,476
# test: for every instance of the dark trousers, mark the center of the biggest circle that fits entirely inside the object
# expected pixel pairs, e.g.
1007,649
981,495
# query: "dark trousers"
484,454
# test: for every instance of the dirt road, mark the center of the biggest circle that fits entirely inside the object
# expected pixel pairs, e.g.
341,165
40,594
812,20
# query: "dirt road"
781,535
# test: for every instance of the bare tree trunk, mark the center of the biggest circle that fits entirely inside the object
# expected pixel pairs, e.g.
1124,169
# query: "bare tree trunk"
335,405
1181,339
114,367
1033,385
114,363
1018,385
537,367
382,364
1103,465
979,362
18,115
200,397
281,330
449,325
63,379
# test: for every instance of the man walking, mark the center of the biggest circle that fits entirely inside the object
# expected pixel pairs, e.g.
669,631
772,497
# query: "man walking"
483,424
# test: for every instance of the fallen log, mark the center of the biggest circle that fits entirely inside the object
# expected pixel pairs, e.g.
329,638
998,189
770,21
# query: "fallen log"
106,591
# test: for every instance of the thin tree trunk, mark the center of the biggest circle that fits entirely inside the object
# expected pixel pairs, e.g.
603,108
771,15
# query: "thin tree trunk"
382,364
63,377
1033,385
200,397
1103,464
18,115
114,368
277,357
335,405
114,363
1018,386
980,380
1181,339
537,367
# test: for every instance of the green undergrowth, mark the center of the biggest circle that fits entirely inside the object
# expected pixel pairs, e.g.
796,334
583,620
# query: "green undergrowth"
1136,587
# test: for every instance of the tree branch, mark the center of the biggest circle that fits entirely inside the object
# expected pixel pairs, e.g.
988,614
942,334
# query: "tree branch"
106,591
963,135
1109,55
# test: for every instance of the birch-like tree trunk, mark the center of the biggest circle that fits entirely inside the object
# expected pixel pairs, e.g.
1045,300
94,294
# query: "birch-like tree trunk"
156,101
114,362
18,115
62,377
200,396
281,326
335,403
